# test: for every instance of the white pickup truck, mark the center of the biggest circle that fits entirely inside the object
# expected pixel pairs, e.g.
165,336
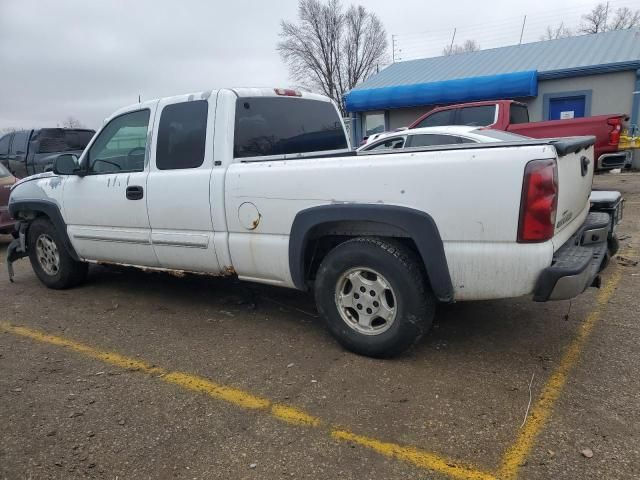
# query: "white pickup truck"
262,184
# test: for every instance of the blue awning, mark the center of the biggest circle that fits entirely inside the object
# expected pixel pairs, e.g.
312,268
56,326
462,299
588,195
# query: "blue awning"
492,87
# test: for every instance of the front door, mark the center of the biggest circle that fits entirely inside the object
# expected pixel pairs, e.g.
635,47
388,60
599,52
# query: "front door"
179,184
106,210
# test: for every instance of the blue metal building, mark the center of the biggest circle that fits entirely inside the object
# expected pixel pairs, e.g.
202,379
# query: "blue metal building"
577,76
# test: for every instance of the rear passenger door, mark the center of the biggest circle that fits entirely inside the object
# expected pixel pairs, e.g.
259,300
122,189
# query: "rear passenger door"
179,182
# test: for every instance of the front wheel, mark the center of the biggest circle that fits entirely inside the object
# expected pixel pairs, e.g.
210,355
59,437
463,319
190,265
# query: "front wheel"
50,259
373,296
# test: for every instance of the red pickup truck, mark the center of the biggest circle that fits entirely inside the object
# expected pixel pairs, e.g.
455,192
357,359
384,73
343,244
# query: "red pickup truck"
513,117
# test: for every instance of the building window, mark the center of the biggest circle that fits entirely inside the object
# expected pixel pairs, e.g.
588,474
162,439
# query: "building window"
374,123
567,105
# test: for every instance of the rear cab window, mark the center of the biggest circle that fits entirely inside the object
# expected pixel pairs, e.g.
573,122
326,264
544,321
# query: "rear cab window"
278,126
478,116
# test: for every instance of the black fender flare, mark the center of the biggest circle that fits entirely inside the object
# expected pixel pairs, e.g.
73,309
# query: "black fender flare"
51,210
418,225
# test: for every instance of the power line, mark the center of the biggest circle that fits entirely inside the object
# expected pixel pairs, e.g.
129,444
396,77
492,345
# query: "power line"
512,31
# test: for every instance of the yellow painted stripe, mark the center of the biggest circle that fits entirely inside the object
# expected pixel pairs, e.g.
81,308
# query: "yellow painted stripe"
247,400
516,455
295,416
413,455
220,392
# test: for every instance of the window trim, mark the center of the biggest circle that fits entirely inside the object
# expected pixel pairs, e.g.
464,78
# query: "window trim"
547,97
87,153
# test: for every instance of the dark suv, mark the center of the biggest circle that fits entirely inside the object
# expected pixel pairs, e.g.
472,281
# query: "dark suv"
26,152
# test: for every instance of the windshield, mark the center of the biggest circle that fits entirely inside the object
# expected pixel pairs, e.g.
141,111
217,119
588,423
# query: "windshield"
54,140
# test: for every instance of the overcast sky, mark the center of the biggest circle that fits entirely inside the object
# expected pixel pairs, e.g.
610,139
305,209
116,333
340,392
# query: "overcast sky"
88,58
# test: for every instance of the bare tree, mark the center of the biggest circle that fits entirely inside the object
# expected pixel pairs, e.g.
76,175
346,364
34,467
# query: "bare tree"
467,46
72,122
330,49
8,130
600,19
553,33
624,18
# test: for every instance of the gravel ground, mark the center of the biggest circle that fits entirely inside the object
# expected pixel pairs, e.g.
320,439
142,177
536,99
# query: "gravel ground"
461,394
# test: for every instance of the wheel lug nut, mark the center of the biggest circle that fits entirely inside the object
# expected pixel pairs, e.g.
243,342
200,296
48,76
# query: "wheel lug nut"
376,304
369,311
359,307
372,293
356,296
362,289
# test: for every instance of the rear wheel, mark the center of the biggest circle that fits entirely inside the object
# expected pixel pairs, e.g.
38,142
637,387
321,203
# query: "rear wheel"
373,296
50,259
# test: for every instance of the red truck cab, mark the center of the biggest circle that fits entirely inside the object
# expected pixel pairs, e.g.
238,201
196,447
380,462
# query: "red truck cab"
512,116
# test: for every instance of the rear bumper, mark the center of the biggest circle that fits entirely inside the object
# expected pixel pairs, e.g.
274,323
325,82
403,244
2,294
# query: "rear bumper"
578,262
609,161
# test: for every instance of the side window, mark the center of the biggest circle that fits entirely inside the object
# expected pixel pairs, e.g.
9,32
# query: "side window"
438,119
389,144
4,145
121,145
181,135
480,116
430,140
19,144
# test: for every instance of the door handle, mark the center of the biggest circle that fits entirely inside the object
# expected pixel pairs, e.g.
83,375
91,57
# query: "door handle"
135,192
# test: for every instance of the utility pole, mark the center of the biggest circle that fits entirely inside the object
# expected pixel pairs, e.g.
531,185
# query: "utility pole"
393,48
522,31
453,37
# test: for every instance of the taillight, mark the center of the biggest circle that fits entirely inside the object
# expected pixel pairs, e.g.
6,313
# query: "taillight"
614,133
539,201
287,92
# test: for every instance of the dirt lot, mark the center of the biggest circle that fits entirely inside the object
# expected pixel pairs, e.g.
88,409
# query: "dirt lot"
145,375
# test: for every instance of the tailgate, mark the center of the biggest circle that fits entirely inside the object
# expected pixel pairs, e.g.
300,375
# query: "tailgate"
575,176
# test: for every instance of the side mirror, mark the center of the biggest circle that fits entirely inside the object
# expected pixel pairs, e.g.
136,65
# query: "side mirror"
66,164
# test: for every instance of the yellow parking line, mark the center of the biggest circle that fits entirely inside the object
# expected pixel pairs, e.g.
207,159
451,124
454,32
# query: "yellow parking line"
415,456
541,411
240,398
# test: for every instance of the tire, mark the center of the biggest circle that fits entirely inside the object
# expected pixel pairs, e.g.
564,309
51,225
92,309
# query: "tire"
50,259
395,309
